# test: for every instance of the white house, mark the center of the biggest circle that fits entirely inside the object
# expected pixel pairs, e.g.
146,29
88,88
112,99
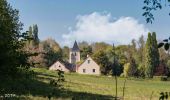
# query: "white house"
89,66
59,66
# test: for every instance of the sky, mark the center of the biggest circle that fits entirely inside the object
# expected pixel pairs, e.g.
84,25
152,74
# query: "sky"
110,21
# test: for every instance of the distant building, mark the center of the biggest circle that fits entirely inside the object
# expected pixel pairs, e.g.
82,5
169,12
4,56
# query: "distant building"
59,66
89,66
74,54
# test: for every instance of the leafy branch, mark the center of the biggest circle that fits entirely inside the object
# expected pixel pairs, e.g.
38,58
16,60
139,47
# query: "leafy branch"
149,7
165,43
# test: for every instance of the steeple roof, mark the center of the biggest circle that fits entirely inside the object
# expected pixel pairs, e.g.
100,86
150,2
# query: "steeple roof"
75,47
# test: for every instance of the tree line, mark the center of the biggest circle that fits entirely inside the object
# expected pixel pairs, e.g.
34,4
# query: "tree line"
138,59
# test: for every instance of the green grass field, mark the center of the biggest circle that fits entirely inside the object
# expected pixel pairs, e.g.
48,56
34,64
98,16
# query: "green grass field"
88,87
102,87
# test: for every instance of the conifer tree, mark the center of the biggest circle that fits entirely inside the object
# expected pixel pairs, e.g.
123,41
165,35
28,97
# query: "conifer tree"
30,34
155,51
149,57
35,35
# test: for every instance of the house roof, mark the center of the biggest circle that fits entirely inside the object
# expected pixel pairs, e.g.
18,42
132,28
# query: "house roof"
75,47
67,65
86,60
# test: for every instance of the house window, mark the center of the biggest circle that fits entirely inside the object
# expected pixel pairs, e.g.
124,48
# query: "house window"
84,70
75,54
94,70
59,66
88,61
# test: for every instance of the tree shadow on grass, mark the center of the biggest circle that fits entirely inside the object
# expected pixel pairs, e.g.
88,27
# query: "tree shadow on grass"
37,88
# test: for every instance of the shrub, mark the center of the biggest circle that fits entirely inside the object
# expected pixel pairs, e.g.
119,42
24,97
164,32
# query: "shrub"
160,78
126,70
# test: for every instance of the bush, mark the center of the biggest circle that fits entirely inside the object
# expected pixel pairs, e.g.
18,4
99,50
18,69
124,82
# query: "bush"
160,78
126,71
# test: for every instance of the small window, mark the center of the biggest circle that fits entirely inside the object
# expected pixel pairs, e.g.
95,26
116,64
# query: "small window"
88,61
94,70
84,70
75,54
59,66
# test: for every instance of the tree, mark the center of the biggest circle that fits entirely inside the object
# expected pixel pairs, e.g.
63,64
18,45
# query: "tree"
49,52
83,45
149,66
126,70
101,59
155,50
35,35
65,53
116,59
151,55
141,44
12,56
86,51
99,46
30,34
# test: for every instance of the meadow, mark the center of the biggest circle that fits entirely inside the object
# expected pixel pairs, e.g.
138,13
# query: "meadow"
88,87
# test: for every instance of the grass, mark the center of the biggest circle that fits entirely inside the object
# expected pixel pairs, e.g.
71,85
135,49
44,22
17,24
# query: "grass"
88,87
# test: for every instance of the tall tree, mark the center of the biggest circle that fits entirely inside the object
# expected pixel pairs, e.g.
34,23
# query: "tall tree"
35,35
101,58
151,55
141,44
65,53
30,34
155,50
12,55
49,52
149,66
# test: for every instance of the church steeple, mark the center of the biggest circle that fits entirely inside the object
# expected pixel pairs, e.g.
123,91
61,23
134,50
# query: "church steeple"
75,47
74,54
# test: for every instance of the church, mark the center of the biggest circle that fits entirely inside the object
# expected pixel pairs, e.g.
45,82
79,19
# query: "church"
89,66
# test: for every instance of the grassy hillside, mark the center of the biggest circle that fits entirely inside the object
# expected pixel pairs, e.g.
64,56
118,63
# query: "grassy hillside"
87,87
90,87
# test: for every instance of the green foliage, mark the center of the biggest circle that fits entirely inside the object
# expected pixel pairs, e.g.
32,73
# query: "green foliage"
51,52
12,41
165,43
86,51
151,55
168,64
155,50
65,53
148,57
153,5
99,46
160,78
126,71
30,34
35,35
59,81
101,59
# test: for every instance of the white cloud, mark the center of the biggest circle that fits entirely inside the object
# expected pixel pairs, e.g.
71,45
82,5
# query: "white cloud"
97,27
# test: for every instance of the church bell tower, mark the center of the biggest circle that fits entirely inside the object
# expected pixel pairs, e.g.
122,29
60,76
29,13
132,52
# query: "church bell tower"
74,55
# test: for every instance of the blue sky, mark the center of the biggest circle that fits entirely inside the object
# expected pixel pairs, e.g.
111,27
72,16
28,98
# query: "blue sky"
59,19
